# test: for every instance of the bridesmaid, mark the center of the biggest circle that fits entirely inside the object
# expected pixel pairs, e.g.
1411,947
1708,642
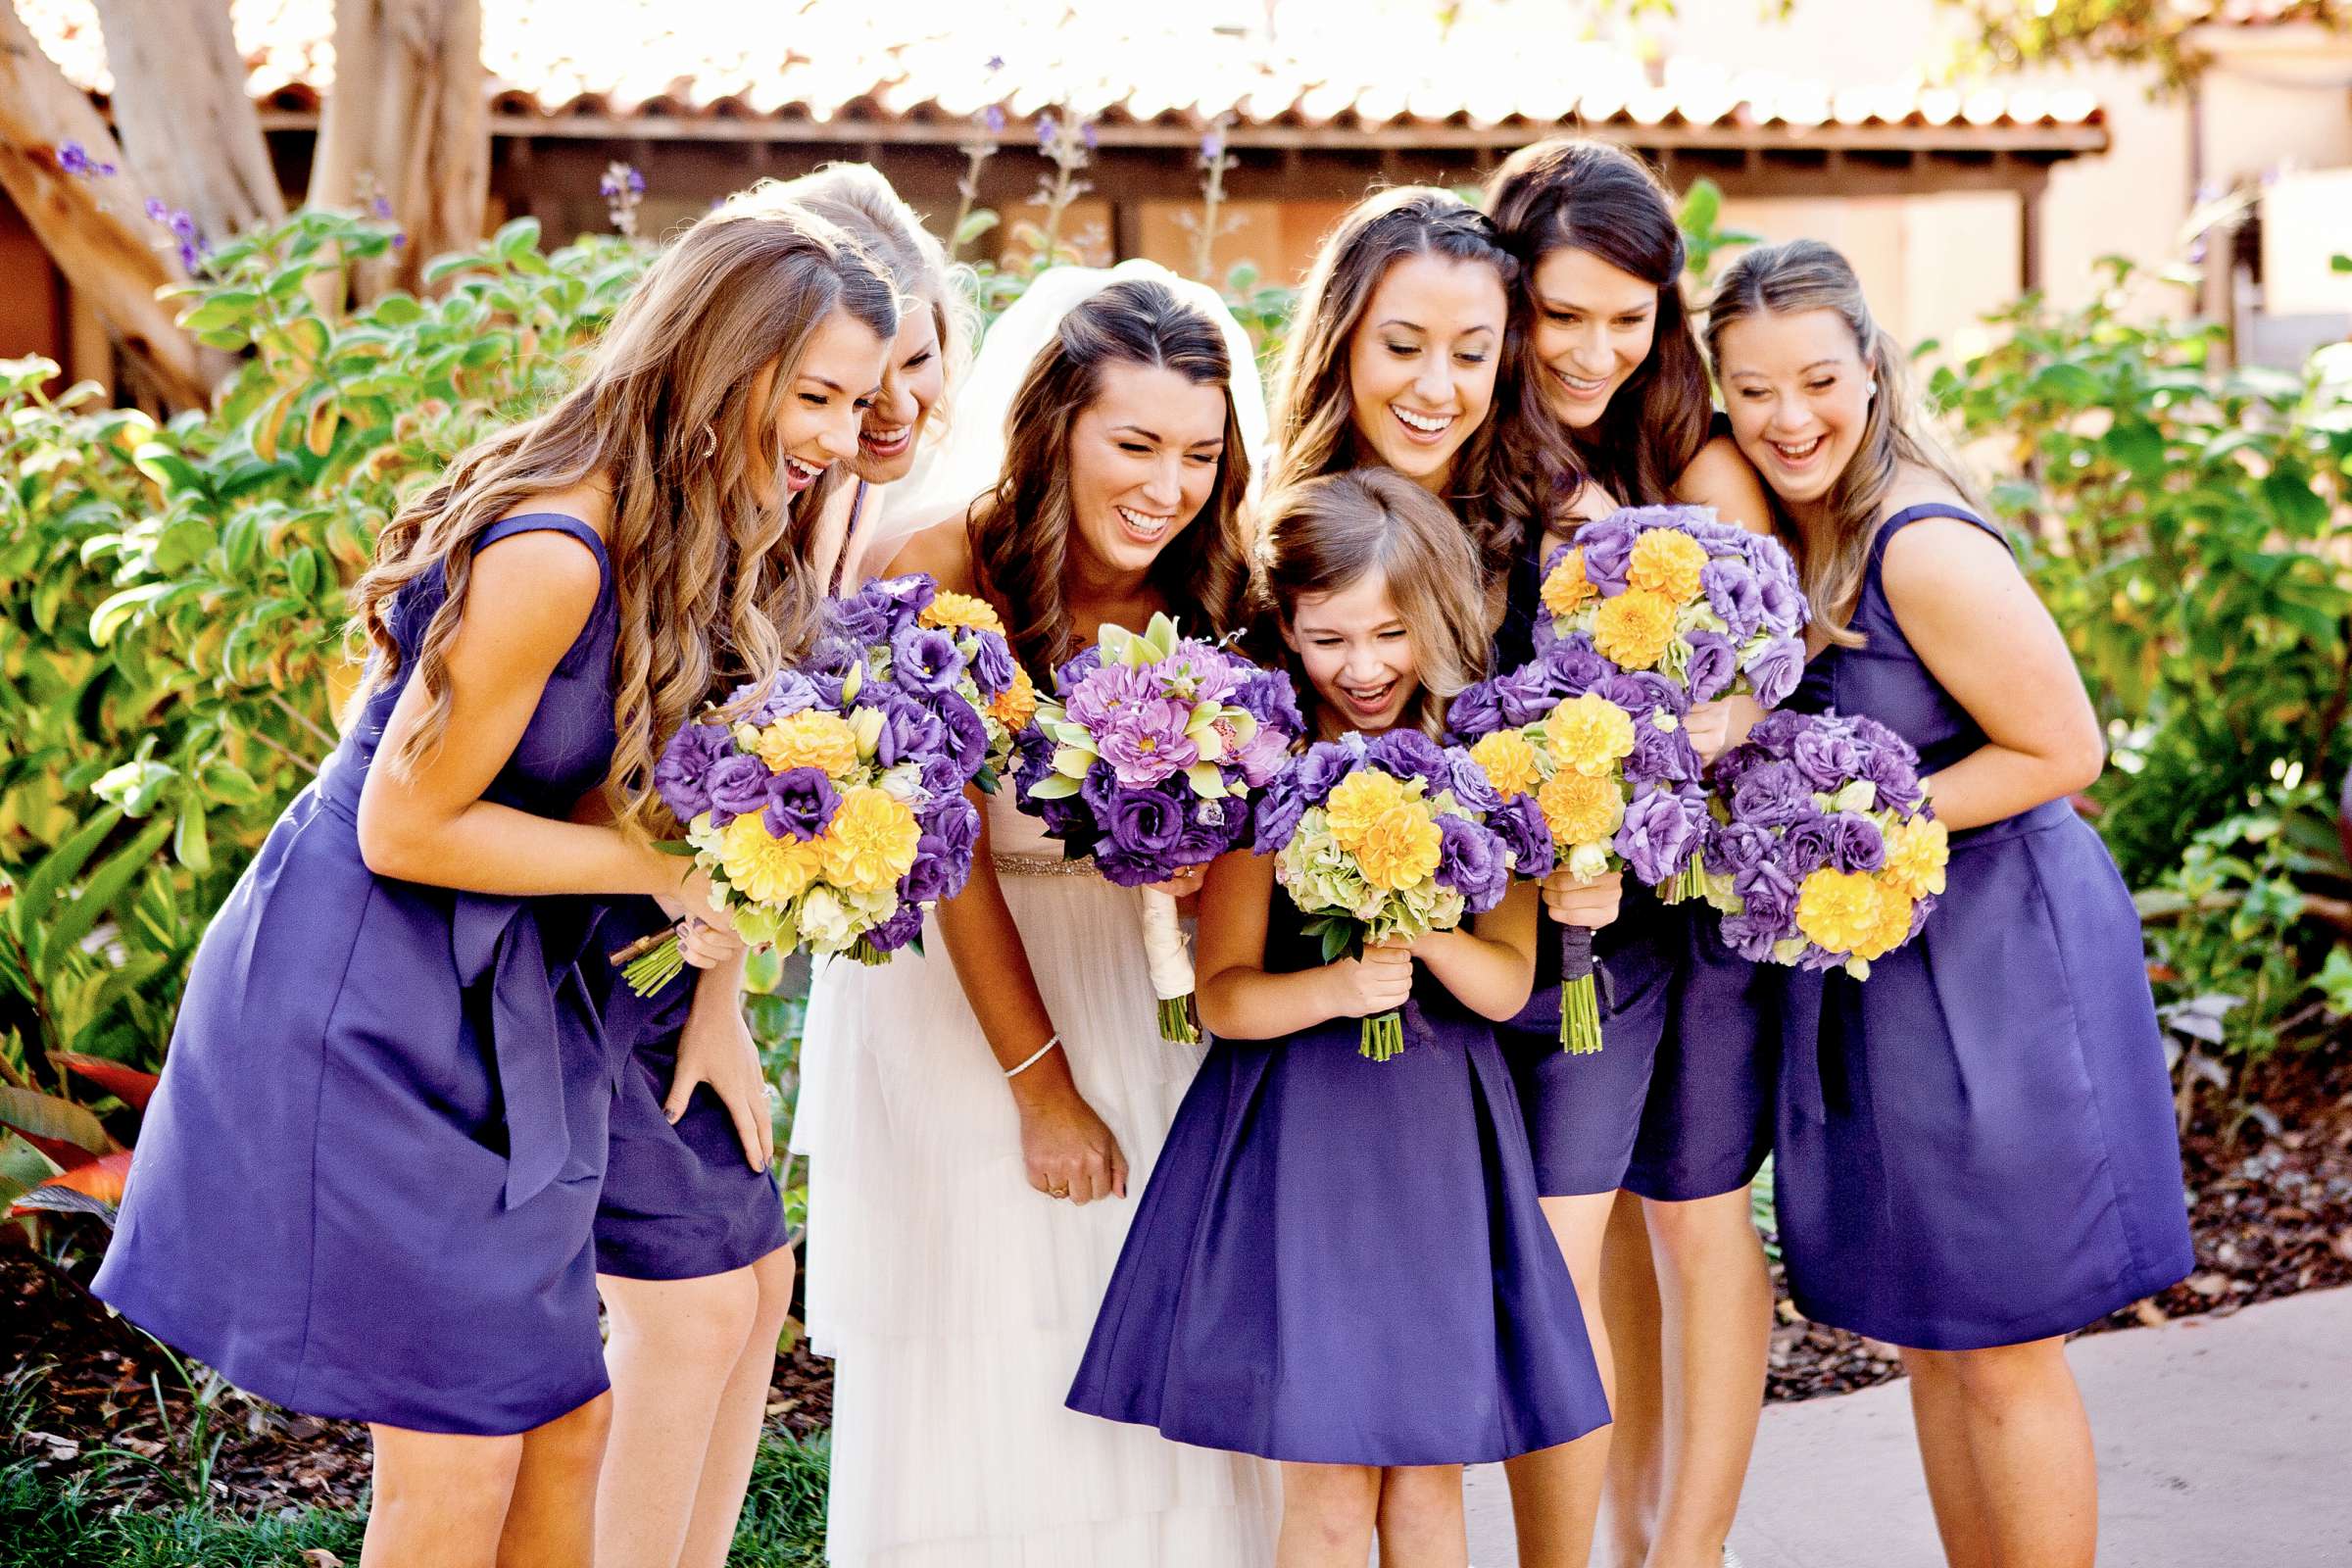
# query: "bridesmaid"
692,1259
366,1186
1344,1264
1677,1108
1977,1153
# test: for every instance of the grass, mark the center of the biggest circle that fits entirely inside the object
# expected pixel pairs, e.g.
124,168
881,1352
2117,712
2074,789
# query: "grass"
50,1524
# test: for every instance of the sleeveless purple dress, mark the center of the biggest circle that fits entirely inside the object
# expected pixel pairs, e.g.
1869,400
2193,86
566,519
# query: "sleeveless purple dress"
1975,1145
1343,1261
1677,1104
364,1187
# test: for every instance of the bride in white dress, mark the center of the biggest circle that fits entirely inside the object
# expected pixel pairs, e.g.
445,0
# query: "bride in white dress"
978,1115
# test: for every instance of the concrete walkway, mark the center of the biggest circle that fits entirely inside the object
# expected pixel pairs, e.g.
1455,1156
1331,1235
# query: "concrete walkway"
2221,1440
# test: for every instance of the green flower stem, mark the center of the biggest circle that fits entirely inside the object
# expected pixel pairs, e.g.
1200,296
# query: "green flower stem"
1383,1037
655,968
1580,1017
1176,1020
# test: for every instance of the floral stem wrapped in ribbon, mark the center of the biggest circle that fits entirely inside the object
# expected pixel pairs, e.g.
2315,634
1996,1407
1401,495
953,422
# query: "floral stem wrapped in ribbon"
1822,851
1601,756
1144,757
831,811
1384,837
1707,605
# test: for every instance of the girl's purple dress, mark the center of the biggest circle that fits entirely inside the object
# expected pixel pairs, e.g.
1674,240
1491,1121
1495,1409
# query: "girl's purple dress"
1344,1262
366,1186
1975,1145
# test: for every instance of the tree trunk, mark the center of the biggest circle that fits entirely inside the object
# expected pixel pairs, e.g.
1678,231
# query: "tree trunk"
92,226
182,112
409,123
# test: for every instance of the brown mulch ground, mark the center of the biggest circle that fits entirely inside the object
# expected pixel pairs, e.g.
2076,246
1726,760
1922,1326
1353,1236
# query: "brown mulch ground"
2273,1216
76,1381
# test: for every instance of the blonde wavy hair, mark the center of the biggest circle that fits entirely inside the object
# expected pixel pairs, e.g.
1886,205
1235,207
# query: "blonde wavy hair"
707,561
862,201
1322,535
1802,275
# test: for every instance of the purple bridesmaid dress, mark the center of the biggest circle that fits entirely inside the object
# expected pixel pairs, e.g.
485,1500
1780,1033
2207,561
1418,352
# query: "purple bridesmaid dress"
365,1189
1975,1145
1343,1261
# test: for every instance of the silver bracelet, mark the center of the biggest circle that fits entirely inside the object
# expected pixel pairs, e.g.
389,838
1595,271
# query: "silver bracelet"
1039,1056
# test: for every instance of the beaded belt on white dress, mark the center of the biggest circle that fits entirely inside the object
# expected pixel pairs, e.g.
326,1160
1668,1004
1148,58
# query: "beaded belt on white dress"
1041,865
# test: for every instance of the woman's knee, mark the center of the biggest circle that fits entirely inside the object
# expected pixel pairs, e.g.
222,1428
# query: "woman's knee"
1703,1232
707,1318
776,1274
1995,1374
463,1481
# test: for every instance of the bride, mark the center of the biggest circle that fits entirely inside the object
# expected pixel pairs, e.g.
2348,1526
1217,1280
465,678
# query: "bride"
977,1113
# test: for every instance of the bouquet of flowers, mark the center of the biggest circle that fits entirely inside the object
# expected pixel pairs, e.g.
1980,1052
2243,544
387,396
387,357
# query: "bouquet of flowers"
831,814
1391,837
1711,607
1144,758
1602,755
1822,851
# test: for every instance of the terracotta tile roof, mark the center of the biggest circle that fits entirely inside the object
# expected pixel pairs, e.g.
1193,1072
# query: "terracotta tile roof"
1359,65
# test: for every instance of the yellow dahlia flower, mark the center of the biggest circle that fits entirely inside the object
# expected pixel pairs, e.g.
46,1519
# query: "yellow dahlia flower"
1839,909
872,843
1017,704
1581,809
1359,800
949,609
1590,734
1400,848
1508,761
1667,562
1634,628
1565,588
1916,854
810,738
1894,924
763,867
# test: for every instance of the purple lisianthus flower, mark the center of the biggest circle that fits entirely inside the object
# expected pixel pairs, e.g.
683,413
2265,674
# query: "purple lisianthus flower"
1140,839
1807,844
790,693
1646,691
1732,848
1608,547
906,597
911,732
924,659
1032,759
1751,934
738,787
1471,861
1209,829
1572,667
1099,788
1075,670
1734,593
1855,843
800,803
1409,754
1470,784
1524,694
941,777
993,667
1774,668
942,856
1772,796
1783,604
967,735
1655,836
1275,812
1267,696
1519,823
1661,755
901,928
1775,731
1714,663
1769,893
1320,770
1826,757
1068,820
860,619
1475,711
685,766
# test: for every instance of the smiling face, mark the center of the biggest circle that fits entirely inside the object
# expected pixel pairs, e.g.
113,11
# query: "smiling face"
1421,364
1594,324
837,379
1358,653
1798,396
913,381
1142,461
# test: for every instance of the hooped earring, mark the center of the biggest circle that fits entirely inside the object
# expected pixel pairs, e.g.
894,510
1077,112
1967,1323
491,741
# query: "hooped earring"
711,437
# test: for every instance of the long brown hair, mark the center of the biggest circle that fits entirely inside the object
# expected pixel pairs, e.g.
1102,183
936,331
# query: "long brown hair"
1576,193
1802,275
1512,468
1020,532
707,564
1321,535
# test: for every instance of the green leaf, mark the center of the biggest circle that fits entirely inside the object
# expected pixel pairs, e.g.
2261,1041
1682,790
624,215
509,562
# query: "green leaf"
224,307
113,612
75,920
191,844
396,309
37,895
515,237
168,468
49,1116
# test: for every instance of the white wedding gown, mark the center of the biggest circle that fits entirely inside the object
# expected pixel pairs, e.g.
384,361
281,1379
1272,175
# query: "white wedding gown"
955,1299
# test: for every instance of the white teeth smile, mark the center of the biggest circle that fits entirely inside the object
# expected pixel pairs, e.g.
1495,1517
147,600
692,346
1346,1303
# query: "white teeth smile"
1582,388
1368,699
1142,523
804,472
1797,452
887,439
1426,423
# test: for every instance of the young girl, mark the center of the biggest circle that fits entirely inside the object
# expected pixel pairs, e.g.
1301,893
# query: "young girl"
987,1096
366,1186
1677,1108
691,1245
1342,1264
1976,1149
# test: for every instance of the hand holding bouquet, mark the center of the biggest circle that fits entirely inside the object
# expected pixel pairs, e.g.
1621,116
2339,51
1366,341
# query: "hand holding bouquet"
1602,757
1822,851
1144,758
1381,839
830,814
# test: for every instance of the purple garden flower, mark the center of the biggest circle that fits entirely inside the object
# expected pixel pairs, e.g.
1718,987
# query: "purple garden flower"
1855,843
1409,754
1655,837
1714,663
1826,758
1147,741
1474,712
1775,669
925,659
738,787
1772,796
1519,823
74,159
1275,815
993,665
858,620
902,925
1472,861
1734,593
1321,770
800,803
1608,547
1143,828
1471,786
1209,831
686,764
